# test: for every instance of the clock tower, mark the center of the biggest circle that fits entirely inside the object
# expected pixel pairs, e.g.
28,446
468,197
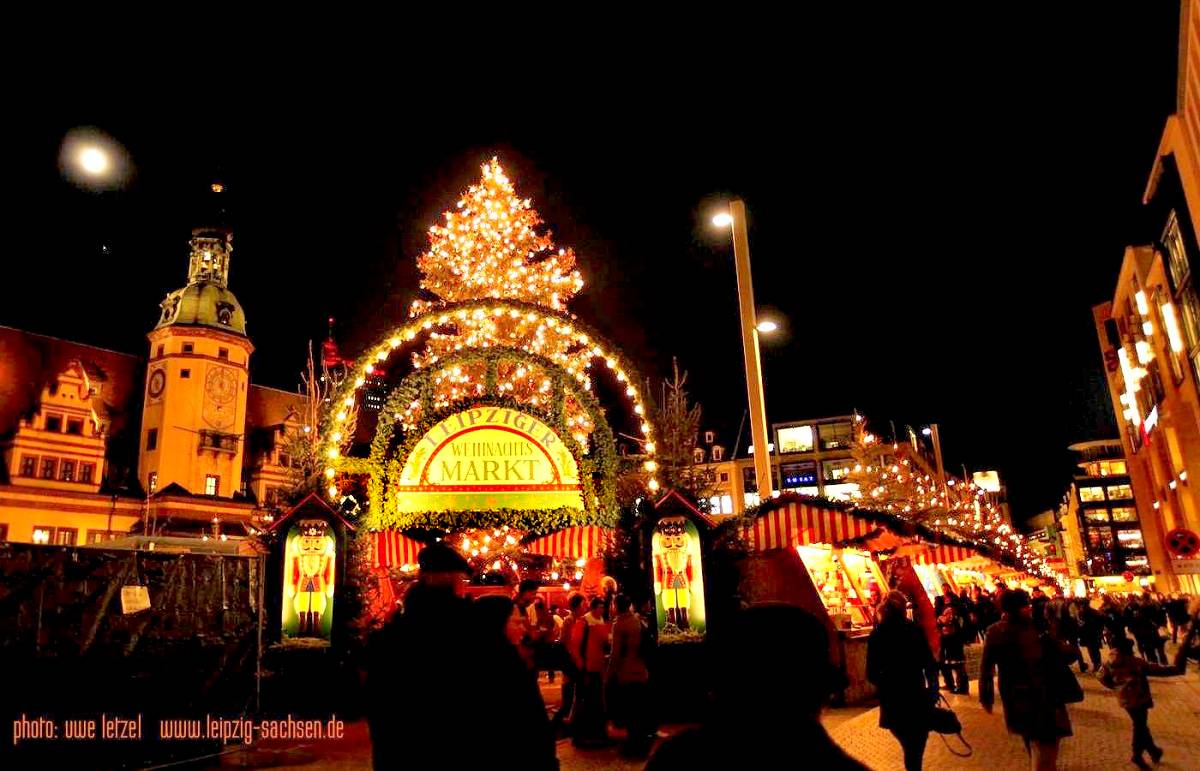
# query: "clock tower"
194,413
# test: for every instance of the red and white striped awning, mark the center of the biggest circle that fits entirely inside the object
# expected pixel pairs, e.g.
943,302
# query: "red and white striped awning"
944,555
572,542
393,549
796,524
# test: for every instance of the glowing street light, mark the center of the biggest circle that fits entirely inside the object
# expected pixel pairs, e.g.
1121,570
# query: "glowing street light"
723,220
767,327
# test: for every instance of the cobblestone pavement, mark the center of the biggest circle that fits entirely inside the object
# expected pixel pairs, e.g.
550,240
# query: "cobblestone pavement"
1101,741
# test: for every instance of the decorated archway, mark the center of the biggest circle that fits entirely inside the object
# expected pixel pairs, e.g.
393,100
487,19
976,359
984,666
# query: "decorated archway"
500,434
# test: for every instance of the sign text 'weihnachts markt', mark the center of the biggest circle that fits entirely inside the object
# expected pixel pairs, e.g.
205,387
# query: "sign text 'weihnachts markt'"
489,458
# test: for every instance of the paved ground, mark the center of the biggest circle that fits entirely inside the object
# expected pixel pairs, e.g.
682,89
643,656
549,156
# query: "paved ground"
1101,740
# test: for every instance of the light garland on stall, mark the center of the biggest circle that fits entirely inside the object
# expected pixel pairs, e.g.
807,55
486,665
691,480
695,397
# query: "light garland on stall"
889,478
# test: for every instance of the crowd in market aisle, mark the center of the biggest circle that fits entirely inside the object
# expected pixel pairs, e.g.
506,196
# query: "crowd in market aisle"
1030,641
447,671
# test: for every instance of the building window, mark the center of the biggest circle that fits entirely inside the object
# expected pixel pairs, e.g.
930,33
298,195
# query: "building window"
1120,492
99,536
75,426
1113,468
161,350
54,423
718,453
222,353
3,531
66,471
835,436
212,484
1177,259
188,347
837,470
66,536
49,468
1135,561
1096,515
185,373
799,474
285,460
724,475
710,437
1130,539
86,472
1100,538
796,439
1124,514
698,455
152,481
1089,494
720,504
28,465
42,533
152,439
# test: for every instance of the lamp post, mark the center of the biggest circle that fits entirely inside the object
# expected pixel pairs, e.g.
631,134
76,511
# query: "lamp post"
736,217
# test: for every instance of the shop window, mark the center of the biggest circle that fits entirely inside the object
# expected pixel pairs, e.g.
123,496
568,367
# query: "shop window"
1124,514
28,465
835,436
802,474
1096,515
1120,492
212,484
796,439
66,536
837,470
54,423
49,468
1089,494
75,426
152,439
1131,539
66,471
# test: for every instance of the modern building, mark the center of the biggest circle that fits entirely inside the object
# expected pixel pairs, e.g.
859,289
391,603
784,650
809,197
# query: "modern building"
97,443
810,457
1099,522
1149,332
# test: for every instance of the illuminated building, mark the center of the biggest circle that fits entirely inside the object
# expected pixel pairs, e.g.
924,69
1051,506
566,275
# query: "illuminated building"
810,457
97,443
1149,332
1100,520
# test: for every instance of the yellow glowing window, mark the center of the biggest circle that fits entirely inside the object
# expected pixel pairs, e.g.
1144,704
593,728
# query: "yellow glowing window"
796,439
1124,514
1089,494
1113,468
1120,492
1131,539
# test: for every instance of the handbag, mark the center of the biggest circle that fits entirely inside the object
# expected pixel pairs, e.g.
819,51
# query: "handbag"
942,721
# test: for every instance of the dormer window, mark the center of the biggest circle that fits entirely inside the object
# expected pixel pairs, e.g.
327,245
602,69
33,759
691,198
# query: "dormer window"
710,437
698,455
224,313
718,453
54,423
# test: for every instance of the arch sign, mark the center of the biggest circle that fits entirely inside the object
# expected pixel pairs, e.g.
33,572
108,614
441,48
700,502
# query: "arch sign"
489,458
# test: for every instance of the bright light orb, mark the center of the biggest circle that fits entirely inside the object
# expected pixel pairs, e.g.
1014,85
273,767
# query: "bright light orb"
723,220
93,160
767,327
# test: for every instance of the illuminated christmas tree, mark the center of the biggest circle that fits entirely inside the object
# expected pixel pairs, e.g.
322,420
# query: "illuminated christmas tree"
494,246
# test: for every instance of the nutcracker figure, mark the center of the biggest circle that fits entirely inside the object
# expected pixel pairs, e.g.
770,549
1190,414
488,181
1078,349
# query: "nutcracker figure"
309,579
673,571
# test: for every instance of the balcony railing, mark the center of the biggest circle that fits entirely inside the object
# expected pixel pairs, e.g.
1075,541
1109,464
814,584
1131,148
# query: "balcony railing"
218,442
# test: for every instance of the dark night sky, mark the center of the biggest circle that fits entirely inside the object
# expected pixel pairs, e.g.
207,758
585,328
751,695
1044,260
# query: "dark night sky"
935,206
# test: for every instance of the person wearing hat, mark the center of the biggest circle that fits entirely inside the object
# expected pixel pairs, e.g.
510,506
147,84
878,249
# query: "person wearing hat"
418,664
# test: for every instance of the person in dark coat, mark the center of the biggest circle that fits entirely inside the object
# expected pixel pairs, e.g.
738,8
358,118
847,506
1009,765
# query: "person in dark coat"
764,712
1032,709
416,678
1091,629
1128,675
953,657
901,665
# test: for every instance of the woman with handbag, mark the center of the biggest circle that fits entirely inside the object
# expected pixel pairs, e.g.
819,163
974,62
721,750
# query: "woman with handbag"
901,665
1036,682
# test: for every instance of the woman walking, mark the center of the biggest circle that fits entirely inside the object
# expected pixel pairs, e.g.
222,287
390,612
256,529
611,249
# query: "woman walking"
901,665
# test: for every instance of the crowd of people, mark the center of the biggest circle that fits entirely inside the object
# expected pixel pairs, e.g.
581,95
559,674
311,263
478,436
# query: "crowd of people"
1030,641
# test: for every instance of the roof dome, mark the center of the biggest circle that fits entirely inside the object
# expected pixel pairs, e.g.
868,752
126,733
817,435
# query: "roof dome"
206,300
203,304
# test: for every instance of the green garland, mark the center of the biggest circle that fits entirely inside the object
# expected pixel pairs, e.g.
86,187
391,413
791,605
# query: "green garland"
531,521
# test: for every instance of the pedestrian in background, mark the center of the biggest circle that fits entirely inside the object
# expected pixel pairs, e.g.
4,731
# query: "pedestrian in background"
902,668
630,680
1129,675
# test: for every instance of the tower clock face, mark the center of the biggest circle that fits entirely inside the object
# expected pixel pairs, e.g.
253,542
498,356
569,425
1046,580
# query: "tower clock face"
220,397
158,382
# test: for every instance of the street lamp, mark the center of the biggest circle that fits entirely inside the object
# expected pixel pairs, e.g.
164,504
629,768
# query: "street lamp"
736,217
93,160
767,327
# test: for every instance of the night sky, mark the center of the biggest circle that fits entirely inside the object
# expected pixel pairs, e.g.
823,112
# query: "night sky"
935,205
